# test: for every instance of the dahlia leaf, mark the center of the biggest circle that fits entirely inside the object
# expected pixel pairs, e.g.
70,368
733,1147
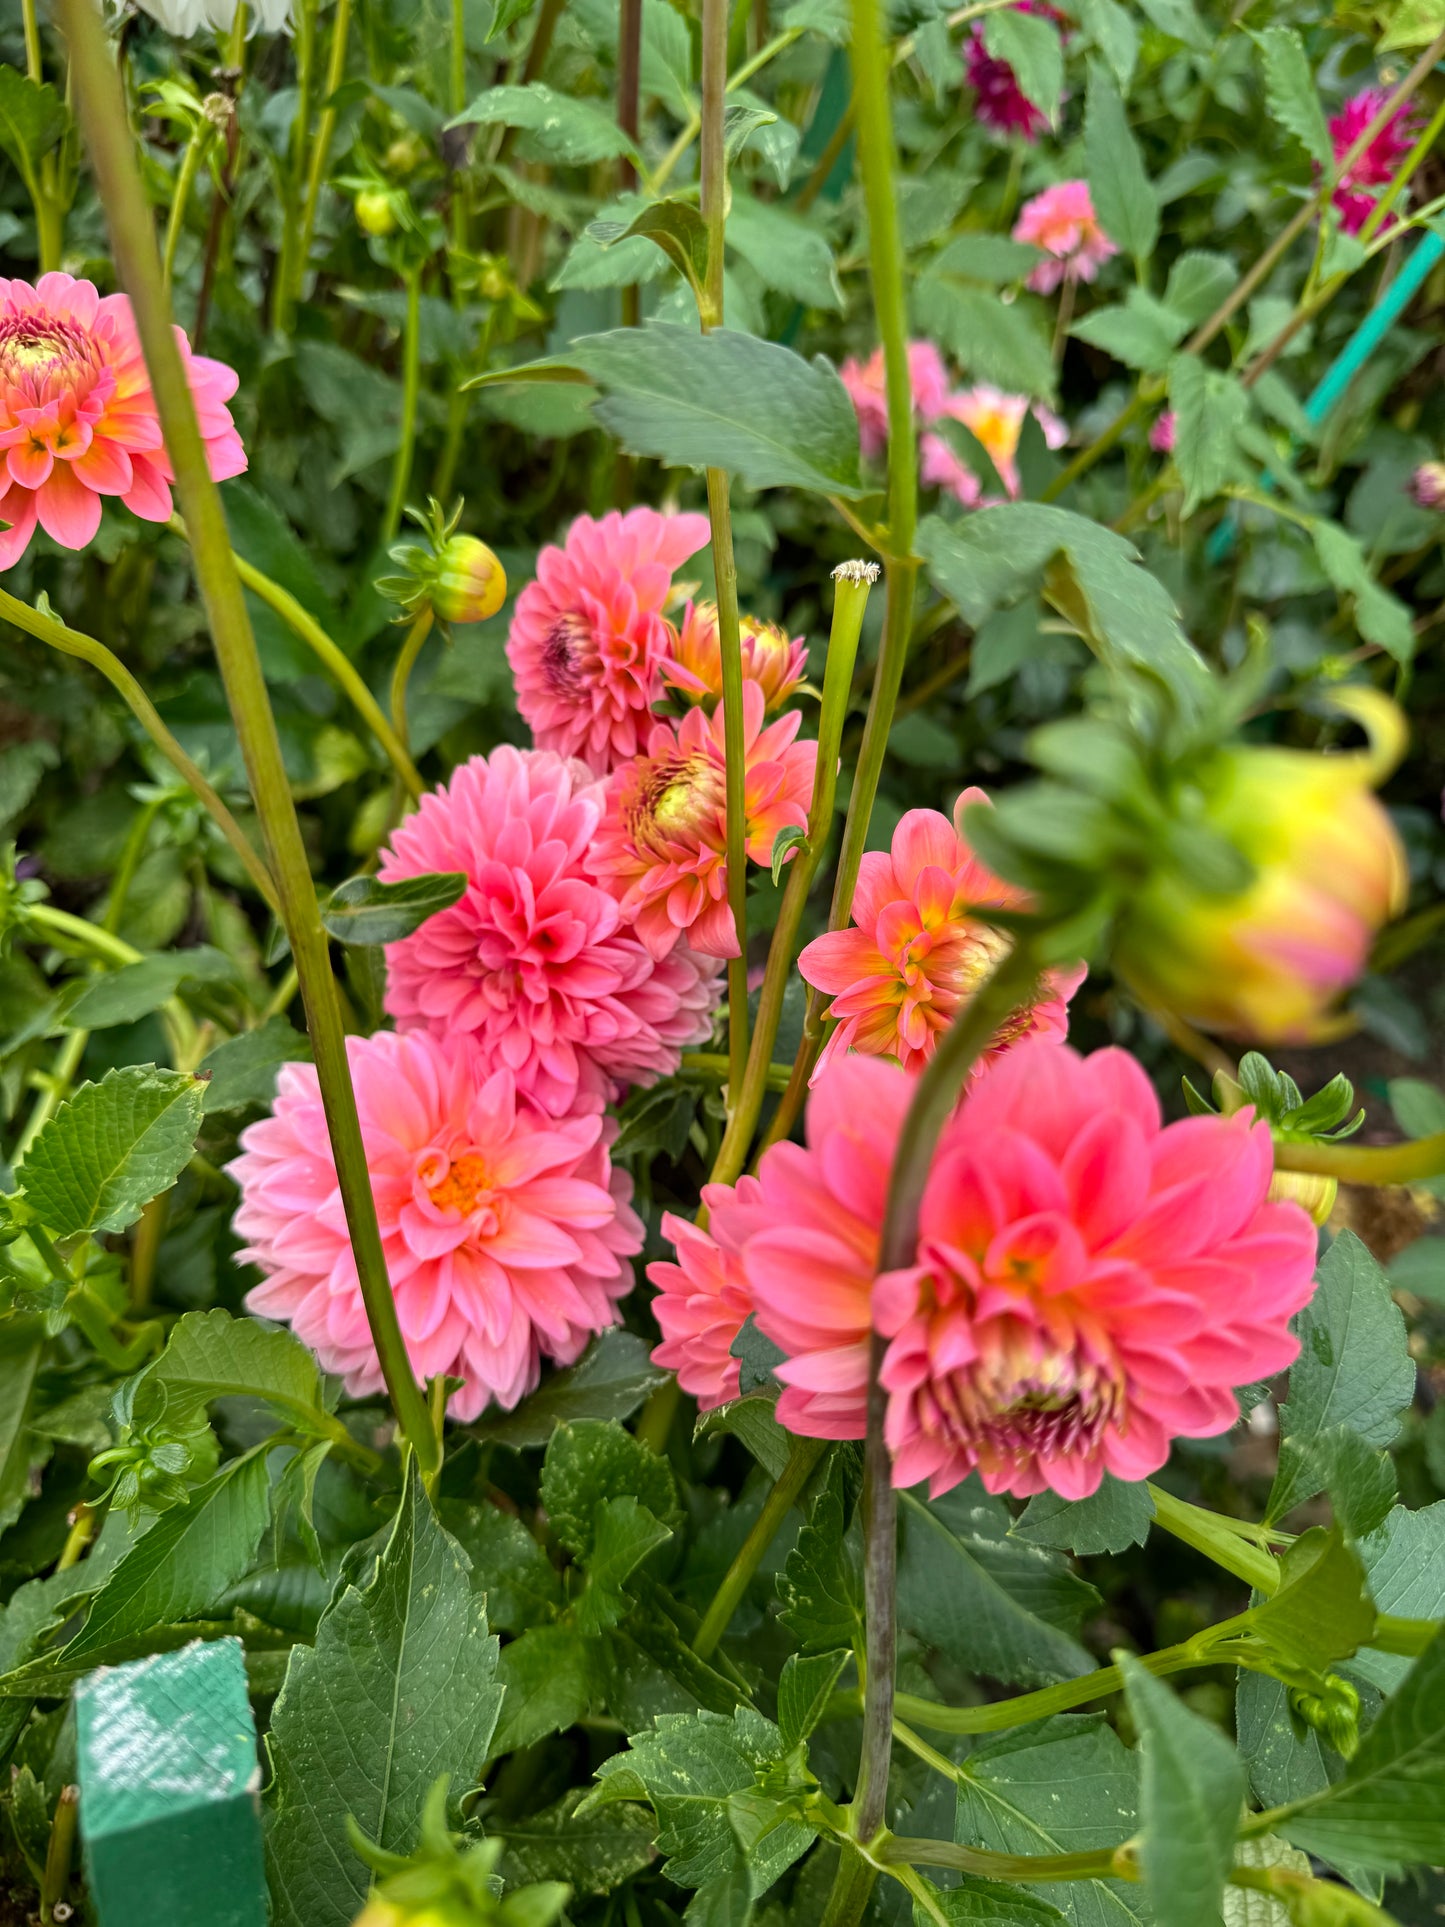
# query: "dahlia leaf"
625,1533
211,1355
1322,1611
33,118
726,1901
1198,282
1112,1519
400,1688
995,1607
591,1463
993,259
1388,1808
1359,1478
1142,334
611,252
1210,409
821,1583
124,996
593,1854
1124,199
552,1675
506,15
243,1069
363,910
1405,1567
786,252
1354,1369
1111,29
1180,21
22,1346
1243,1907
1191,1787
1292,94
1067,1785
523,1587
609,1381
1030,44
1002,344
988,1903
111,1148
1380,617
563,128
804,1690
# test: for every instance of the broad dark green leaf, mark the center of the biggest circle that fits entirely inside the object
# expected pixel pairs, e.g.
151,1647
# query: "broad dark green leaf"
726,1901
992,259
122,996
788,253
675,228
1114,34
1141,334
591,1463
400,1688
32,119
987,1903
211,1355
1112,1519
1380,617
821,1584
624,1533
1179,20
803,1691
552,1675
1030,44
1065,1786
1405,1568
1354,1369
1198,282
243,1069
111,1148
1124,199
506,14
1322,1611
365,910
563,128
1292,92
610,1380
522,1585
1210,410
593,1853
1191,1787
1003,344
22,1346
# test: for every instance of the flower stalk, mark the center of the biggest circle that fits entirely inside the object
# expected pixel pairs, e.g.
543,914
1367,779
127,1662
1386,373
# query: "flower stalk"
410,395
321,146
802,1462
103,118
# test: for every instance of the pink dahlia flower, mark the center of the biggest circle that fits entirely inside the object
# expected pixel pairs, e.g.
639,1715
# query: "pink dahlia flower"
1376,166
996,421
507,1233
940,467
1001,103
1090,1283
702,1301
919,949
662,848
1162,431
588,636
77,417
534,960
774,660
1063,223
866,382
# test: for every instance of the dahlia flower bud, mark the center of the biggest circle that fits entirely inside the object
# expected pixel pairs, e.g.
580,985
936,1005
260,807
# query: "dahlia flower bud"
1324,1118
1308,1189
1269,957
469,583
450,1882
772,659
375,214
1427,486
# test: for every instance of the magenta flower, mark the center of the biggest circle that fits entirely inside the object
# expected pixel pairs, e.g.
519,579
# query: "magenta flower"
1376,166
1062,222
1091,1283
588,636
77,417
920,947
534,960
1162,431
507,1233
1001,103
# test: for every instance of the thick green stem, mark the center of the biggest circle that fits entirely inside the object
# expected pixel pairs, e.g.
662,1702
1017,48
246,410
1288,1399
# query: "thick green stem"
410,649
103,118
853,579
49,629
181,196
1104,1863
321,146
55,1880
410,393
1208,1534
776,1507
286,266
1367,1163
332,658
998,1716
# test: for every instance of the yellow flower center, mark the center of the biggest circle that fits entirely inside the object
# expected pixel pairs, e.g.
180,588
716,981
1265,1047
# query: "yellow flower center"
466,1185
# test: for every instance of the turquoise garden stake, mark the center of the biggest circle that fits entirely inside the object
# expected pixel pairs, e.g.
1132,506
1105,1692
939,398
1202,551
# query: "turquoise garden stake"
169,1783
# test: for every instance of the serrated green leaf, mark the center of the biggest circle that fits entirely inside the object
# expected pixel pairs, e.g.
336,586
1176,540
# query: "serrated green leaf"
1322,1611
1243,1907
1030,44
1292,92
522,1585
1124,200
1380,617
739,126
243,1070
552,1675
593,1853
565,129
1114,34
211,1355
804,1688
1141,334
786,252
1359,1478
1210,408
22,1347
1112,1519
726,1901
1354,1368
820,1585
1405,1569
675,228
601,258
990,1604
624,1533
367,911
125,995
987,1903
400,1688
610,1380
506,14
1198,282
33,118
1180,21
1413,23
992,259
111,1148
1004,344
592,1462
1191,1788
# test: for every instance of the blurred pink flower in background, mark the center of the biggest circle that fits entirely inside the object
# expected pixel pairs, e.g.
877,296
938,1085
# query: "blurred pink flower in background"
866,382
662,847
774,660
1062,222
507,1233
535,960
1378,163
77,417
588,635
1161,432
917,952
1001,103
996,421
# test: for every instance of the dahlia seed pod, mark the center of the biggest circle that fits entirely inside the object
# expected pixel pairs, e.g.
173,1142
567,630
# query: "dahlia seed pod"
469,583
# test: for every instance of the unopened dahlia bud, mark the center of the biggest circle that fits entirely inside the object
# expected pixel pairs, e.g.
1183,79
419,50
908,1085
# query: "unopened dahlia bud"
1269,959
469,583
1308,1189
774,660
375,214
1427,486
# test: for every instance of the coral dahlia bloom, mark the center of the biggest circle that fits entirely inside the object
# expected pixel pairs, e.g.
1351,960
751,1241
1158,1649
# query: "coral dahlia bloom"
662,848
1090,1283
919,948
77,417
867,385
1063,223
1377,164
996,421
774,660
507,1233
702,1301
534,959
589,634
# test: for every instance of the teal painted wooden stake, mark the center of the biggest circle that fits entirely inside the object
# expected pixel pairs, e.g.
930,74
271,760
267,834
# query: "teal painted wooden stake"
169,1785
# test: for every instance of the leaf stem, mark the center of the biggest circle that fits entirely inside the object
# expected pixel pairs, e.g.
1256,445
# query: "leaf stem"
779,1503
1367,1163
103,117
196,147
410,394
1212,1536
410,649
71,642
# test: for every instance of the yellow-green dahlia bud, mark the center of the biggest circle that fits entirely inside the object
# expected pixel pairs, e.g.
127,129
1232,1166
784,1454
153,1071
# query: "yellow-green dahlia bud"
469,583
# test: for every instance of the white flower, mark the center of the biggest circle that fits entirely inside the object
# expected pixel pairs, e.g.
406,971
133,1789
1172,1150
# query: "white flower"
183,18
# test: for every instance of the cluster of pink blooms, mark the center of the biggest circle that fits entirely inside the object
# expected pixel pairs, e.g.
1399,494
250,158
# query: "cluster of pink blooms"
1062,222
78,420
994,419
583,956
1380,160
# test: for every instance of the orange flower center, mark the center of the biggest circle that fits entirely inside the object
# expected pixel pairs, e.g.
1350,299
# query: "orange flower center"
673,799
465,1187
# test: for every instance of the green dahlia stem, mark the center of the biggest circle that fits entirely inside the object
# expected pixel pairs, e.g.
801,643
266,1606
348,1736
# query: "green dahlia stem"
410,649
776,1507
410,395
1367,1163
713,204
71,642
181,195
1208,1533
296,166
854,580
321,147
103,118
